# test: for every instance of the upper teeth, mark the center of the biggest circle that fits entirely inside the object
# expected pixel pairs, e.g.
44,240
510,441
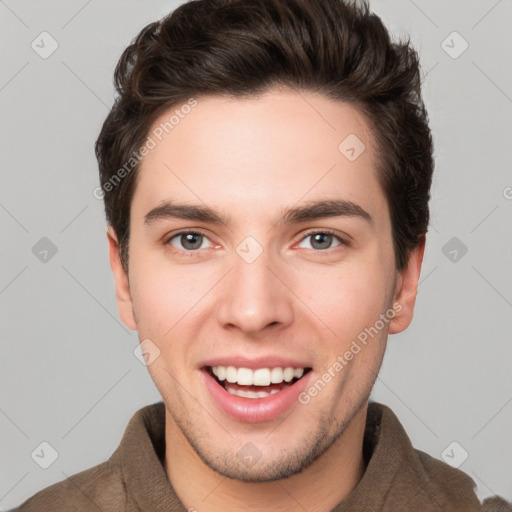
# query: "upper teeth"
259,377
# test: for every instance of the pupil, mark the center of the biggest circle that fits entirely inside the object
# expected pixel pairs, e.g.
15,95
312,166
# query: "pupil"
325,237
189,238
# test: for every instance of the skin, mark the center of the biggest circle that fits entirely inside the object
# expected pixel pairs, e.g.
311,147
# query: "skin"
251,158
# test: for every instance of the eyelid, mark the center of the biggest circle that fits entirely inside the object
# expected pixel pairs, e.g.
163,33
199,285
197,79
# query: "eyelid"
313,231
327,231
195,231
167,241
343,239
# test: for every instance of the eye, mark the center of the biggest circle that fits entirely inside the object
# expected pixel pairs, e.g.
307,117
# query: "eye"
188,241
192,241
321,240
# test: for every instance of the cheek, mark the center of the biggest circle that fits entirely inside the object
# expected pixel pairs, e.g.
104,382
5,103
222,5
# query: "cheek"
166,298
163,315
349,300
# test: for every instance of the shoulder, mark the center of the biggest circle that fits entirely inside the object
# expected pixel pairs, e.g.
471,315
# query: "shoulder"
115,484
431,483
458,486
451,480
98,488
496,504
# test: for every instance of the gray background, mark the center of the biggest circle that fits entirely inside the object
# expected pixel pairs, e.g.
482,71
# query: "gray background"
68,373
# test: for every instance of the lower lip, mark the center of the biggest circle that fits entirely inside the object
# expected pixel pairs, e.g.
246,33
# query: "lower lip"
255,410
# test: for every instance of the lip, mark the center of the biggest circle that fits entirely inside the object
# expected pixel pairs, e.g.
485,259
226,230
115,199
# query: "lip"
254,410
255,363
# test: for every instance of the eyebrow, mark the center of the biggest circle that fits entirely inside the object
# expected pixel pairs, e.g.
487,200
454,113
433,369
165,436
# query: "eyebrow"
309,211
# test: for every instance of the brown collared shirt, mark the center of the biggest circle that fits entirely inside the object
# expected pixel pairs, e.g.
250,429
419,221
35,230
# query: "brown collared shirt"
397,476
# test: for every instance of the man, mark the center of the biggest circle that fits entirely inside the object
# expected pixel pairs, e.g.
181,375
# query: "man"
266,172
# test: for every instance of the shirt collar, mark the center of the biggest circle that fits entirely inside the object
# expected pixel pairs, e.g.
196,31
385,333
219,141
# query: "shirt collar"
395,474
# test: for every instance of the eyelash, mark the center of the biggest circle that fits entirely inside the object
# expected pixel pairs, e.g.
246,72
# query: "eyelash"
308,234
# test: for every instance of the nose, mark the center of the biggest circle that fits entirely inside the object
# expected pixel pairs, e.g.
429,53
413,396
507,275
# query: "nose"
254,297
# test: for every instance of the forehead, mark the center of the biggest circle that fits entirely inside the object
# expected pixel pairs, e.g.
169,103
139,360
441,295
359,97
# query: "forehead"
259,154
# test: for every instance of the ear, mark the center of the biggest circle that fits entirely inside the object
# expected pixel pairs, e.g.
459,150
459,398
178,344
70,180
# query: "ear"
123,297
406,289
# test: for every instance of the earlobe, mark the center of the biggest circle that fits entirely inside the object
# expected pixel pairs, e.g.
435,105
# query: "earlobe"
123,297
406,289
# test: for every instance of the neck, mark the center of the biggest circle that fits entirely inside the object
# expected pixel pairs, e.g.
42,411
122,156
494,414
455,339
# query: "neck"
332,476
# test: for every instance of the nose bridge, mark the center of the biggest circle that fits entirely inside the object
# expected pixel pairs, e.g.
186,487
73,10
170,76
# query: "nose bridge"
253,297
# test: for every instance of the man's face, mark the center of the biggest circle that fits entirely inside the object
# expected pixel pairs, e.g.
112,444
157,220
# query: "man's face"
261,291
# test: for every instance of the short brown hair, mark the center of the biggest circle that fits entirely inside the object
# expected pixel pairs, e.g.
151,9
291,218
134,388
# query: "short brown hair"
245,47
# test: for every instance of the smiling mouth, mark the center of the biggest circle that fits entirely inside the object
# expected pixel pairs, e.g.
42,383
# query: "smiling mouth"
258,383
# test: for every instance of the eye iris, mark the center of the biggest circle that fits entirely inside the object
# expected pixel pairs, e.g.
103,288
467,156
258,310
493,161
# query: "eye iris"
324,238
189,238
